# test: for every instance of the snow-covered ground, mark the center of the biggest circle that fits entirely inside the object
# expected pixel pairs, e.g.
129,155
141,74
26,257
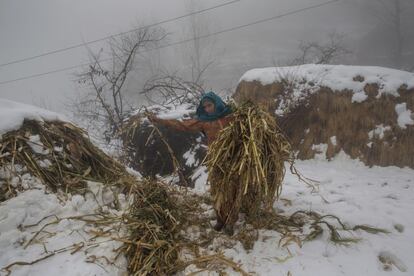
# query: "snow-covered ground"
30,207
381,197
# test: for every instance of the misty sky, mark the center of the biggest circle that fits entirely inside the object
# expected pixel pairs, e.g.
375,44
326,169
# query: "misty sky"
32,27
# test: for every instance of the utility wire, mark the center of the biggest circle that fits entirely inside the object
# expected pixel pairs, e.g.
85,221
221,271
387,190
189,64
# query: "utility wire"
182,41
117,34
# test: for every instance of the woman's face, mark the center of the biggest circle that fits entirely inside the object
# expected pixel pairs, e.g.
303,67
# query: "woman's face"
208,107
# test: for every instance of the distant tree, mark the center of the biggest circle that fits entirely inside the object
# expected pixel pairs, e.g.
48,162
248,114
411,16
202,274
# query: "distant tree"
168,88
321,52
187,81
105,77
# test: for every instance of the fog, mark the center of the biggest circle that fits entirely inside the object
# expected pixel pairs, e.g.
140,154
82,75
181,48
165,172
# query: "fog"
29,28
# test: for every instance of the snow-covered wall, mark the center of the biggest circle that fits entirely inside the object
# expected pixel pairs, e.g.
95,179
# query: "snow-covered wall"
316,102
336,77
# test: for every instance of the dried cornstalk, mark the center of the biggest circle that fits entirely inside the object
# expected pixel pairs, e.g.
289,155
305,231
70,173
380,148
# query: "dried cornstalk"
246,163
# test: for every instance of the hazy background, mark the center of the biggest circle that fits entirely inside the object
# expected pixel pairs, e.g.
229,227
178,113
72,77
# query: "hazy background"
32,27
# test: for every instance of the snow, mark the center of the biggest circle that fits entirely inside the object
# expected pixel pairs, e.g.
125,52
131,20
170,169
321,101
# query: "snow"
337,77
333,140
36,145
170,111
12,115
359,97
379,131
31,206
200,180
404,115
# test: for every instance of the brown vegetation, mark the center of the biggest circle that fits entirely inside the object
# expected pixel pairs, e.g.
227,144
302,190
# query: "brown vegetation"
328,113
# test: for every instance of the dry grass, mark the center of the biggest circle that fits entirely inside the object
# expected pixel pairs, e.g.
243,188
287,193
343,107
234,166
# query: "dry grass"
157,222
64,158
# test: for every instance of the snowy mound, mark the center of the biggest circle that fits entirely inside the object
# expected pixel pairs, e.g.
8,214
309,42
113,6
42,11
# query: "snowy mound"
365,111
336,77
12,115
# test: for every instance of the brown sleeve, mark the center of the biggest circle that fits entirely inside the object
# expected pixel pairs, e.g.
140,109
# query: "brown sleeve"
185,125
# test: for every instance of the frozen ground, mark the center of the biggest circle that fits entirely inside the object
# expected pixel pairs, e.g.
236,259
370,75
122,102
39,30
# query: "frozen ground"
33,205
381,197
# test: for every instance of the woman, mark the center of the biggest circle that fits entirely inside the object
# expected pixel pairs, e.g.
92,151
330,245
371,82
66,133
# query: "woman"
212,116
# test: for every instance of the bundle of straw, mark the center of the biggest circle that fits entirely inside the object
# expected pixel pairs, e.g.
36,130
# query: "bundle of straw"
246,162
64,158
157,221
153,248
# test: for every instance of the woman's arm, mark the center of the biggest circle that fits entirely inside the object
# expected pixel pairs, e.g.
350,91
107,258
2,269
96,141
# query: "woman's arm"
192,125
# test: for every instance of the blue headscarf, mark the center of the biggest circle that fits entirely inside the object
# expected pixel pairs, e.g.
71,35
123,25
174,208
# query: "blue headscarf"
220,108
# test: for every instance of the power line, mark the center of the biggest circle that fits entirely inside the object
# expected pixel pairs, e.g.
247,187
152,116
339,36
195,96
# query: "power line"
117,34
183,41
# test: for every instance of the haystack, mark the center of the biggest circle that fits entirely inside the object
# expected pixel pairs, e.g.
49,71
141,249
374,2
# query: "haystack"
157,220
152,230
58,154
365,112
247,161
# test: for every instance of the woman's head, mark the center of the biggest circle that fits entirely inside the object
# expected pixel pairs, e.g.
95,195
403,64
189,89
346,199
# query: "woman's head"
212,107
208,106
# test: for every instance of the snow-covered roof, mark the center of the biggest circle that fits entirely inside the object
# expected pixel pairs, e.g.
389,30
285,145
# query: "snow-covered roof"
12,115
336,77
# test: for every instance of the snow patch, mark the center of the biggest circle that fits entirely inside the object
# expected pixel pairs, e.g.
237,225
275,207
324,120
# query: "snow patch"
12,115
333,140
379,131
320,150
404,115
359,97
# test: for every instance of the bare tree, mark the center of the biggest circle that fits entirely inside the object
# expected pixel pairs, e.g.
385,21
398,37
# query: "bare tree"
186,83
170,88
105,78
322,52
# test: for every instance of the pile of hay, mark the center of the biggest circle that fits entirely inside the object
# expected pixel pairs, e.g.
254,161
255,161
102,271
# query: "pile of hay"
57,153
246,163
152,228
156,223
